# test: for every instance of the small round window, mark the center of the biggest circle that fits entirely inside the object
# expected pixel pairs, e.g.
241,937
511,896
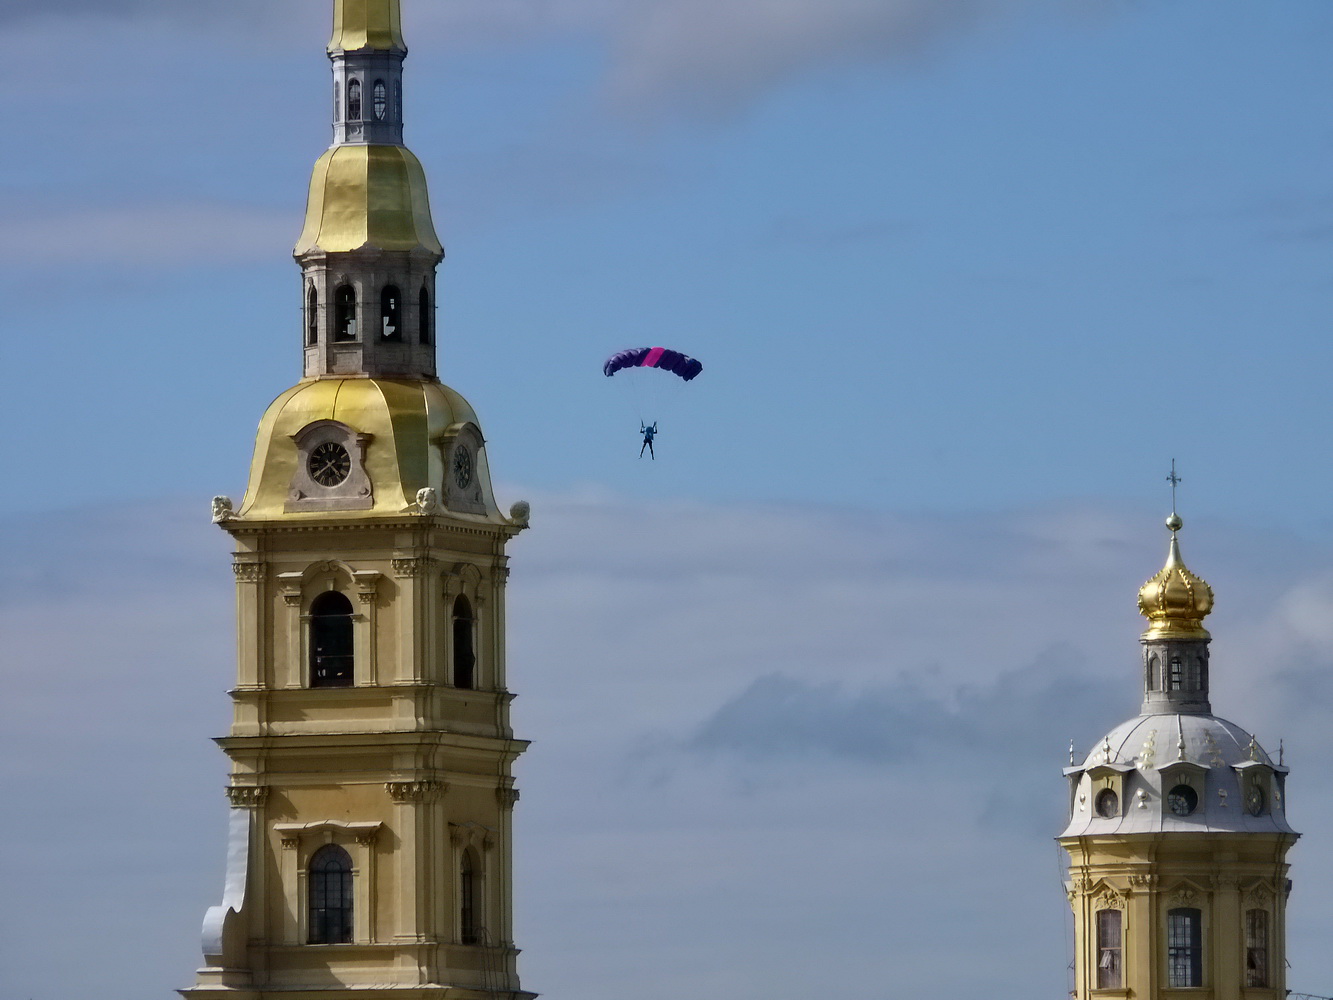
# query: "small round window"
1182,800
1108,804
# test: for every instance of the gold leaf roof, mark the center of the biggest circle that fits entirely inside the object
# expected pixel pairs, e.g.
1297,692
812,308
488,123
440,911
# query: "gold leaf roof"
367,24
1175,601
368,196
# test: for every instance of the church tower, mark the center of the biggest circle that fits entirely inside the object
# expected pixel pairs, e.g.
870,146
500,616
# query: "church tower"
1178,836
371,788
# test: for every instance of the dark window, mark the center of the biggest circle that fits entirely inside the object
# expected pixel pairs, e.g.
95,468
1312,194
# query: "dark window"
354,101
1256,948
391,314
1195,674
469,914
381,99
398,102
1108,950
330,896
425,317
344,321
1108,804
331,641
1154,667
1184,948
465,660
312,316
1174,683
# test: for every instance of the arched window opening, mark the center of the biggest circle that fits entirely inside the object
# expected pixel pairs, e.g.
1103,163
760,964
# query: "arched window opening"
330,896
1195,676
337,100
331,657
1184,948
391,314
1256,948
425,318
398,102
354,100
469,900
1154,669
344,324
380,97
1176,679
465,659
312,316
1108,949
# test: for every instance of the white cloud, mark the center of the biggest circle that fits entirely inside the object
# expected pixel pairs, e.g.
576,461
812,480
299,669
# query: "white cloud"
776,750
149,234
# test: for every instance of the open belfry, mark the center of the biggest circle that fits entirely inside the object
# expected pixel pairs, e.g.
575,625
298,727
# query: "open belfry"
1178,836
371,752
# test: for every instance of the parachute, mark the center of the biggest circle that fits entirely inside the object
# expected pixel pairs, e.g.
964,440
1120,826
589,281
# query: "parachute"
654,357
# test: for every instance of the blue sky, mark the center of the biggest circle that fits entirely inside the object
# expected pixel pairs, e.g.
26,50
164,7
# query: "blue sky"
965,278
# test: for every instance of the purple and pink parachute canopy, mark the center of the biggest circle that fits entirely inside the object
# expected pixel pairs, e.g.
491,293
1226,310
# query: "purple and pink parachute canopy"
654,357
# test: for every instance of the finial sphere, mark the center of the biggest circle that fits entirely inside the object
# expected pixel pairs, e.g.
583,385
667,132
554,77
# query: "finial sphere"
1174,522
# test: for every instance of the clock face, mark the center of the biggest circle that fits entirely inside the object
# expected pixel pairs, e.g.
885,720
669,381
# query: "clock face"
462,467
1182,800
329,464
1254,801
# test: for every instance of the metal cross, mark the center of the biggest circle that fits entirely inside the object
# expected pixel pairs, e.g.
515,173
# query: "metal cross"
1175,481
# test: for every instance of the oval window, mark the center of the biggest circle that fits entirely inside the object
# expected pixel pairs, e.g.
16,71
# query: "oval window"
1108,804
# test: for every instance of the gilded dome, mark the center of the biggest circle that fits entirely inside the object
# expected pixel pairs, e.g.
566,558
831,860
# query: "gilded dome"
408,425
368,196
1175,601
367,24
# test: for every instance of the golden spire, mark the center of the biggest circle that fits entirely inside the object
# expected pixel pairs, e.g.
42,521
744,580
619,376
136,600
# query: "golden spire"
1175,601
359,25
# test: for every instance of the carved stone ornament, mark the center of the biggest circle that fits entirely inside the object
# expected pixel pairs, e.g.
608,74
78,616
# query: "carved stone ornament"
471,835
521,513
411,566
1143,881
248,572
415,791
223,509
247,796
507,797
1109,899
1260,897
366,838
428,501
1184,896
290,842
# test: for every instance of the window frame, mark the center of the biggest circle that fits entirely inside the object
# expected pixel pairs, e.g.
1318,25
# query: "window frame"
463,626
391,314
1258,964
346,310
1110,953
341,674
330,924
1184,947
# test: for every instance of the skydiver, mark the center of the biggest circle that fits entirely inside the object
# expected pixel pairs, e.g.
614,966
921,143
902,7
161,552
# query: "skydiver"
648,434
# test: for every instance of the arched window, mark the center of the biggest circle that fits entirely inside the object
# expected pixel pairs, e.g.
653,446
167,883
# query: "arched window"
465,659
425,317
469,899
1108,949
1184,948
354,100
1154,668
1177,678
391,314
344,321
312,316
380,97
331,641
330,896
1256,948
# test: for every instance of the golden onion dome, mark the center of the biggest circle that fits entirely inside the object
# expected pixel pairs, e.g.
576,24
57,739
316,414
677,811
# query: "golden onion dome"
368,196
1175,601
360,25
406,422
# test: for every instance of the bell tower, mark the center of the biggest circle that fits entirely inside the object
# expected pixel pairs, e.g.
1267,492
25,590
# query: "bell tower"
371,787
1178,834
